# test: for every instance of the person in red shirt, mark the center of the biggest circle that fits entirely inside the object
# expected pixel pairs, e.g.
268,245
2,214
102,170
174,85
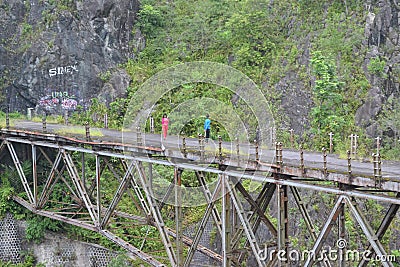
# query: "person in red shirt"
164,123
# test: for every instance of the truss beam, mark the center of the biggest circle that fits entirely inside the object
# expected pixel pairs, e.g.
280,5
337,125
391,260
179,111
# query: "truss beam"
201,227
245,223
230,212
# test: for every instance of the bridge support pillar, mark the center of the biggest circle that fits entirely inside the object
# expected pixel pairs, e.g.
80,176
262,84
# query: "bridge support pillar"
342,235
150,178
35,176
98,186
178,216
83,169
283,233
226,232
44,124
87,130
7,121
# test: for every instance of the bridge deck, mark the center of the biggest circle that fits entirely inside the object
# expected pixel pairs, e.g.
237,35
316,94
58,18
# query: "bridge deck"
362,171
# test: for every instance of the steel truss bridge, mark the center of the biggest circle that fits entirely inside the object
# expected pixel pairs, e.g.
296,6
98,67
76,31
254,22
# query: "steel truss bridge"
46,162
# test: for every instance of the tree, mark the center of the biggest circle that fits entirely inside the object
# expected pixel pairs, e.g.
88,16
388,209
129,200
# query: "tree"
329,113
149,20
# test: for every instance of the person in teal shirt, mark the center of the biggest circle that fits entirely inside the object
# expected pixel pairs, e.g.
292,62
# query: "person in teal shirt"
207,127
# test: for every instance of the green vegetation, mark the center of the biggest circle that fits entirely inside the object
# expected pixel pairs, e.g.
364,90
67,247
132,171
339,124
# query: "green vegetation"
50,119
390,127
96,112
121,261
150,20
329,114
37,225
13,117
78,130
26,29
29,261
376,66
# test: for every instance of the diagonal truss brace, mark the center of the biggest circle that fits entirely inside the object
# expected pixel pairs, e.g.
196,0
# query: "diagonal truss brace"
20,171
245,222
360,218
118,195
50,184
47,189
307,220
138,253
166,196
390,215
210,198
73,172
325,231
200,230
155,211
262,202
367,229
136,187
118,177
257,209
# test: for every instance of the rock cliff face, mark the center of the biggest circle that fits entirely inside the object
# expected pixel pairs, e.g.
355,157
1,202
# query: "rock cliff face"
56,55
380,41
382,35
